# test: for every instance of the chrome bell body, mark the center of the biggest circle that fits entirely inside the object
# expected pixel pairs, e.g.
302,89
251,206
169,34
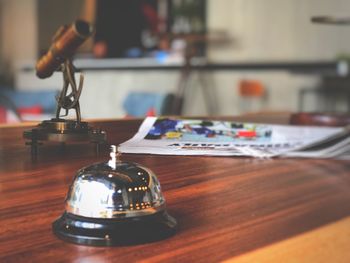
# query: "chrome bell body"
114,203
125,190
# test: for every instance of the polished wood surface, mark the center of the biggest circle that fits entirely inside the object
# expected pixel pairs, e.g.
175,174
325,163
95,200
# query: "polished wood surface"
326,244
226,207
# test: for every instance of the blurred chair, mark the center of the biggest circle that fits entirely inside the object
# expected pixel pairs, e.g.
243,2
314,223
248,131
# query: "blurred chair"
7,107
330,91
18,105
141,104
252,94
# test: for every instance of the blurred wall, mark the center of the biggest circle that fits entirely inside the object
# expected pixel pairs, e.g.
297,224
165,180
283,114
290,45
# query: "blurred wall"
275,30
27,26
18,33
1,43
278,29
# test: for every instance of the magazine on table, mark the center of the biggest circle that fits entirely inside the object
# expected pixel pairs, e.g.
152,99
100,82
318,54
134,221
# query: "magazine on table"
172,136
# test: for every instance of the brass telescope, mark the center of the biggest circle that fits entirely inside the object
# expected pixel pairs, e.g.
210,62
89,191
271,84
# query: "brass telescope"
64,44
59,58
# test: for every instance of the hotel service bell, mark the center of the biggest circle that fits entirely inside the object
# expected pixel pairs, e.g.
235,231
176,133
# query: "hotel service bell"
114,203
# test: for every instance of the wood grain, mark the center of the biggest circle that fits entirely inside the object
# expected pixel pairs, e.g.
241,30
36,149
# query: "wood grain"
224,206
328,243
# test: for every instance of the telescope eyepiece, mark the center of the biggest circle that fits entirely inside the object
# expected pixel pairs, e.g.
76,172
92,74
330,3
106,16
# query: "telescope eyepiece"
83,28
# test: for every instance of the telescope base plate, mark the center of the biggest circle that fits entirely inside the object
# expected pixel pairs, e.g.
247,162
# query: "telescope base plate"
63,131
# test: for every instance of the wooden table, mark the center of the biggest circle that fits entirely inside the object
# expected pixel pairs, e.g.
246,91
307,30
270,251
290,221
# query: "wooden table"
240,209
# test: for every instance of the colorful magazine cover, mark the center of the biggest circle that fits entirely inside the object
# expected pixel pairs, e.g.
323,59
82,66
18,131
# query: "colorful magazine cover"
223,138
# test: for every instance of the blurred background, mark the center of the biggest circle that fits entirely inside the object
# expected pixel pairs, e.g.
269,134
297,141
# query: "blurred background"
188,57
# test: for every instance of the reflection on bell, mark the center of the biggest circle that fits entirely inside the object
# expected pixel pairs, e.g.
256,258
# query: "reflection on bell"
114,203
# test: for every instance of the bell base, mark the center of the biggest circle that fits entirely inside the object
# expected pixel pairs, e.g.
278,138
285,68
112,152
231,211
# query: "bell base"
114,232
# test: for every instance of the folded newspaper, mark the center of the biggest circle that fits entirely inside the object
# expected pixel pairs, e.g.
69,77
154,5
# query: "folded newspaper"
170,136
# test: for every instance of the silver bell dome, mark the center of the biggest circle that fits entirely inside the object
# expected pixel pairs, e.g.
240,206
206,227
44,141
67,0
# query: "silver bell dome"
115,191
114,202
